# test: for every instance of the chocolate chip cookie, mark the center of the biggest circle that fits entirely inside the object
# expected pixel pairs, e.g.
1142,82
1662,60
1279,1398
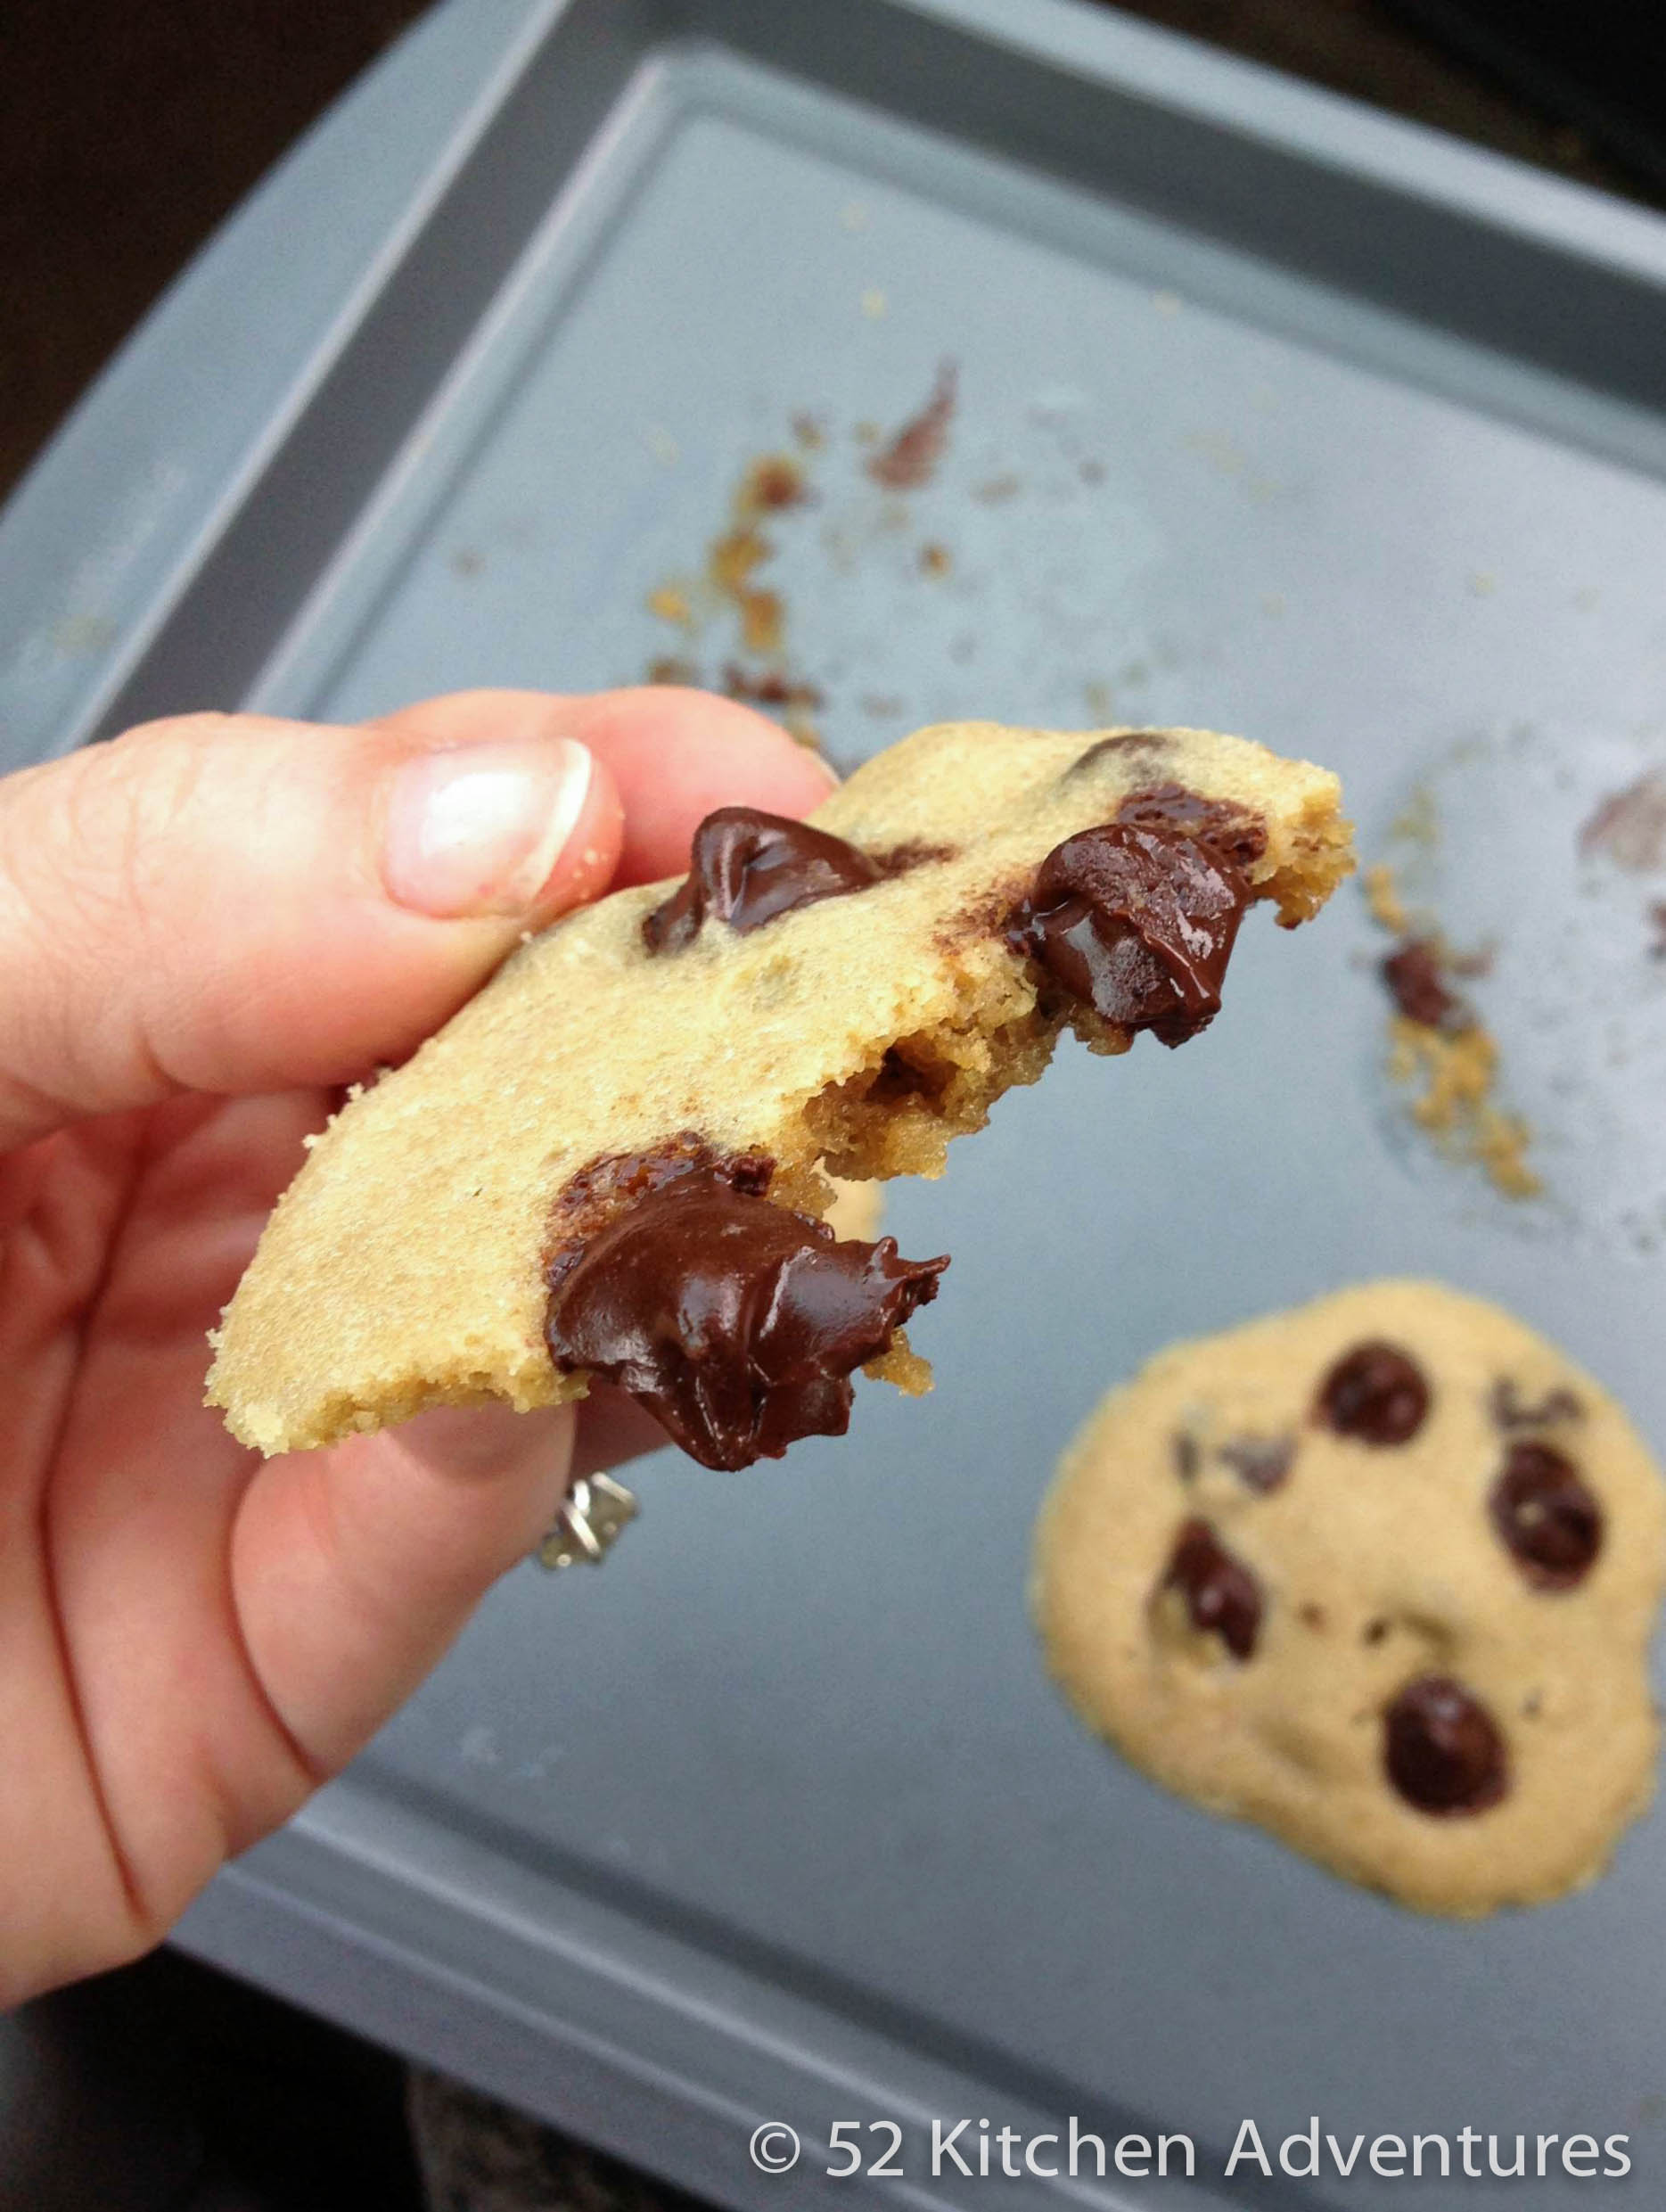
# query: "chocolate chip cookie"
1381,1574
614,1161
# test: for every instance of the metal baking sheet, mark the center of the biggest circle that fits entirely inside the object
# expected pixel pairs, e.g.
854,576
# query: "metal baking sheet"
1271,415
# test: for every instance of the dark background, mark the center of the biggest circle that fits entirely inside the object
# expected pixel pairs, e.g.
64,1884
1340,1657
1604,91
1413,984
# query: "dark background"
128,129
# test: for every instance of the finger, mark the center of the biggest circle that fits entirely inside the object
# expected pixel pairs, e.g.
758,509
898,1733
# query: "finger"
232,903
354,1569
613,1429
676,754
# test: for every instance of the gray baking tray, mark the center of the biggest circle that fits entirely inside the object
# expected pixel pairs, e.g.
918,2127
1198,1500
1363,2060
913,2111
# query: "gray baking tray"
1272,414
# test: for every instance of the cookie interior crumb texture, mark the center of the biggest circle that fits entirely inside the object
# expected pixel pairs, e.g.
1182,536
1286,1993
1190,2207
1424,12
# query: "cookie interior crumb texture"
1457,1516
406,1266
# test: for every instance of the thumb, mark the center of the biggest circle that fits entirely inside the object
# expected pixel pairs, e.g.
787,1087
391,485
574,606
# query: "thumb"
231,903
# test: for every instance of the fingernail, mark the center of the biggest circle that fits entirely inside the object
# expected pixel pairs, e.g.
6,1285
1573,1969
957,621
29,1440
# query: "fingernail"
478,830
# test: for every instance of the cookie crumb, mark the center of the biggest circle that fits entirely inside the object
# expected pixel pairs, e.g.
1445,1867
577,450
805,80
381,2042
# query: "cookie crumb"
1438,1047
671,604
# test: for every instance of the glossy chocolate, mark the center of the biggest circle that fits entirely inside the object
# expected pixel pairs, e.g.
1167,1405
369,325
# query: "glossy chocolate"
1413,975
1221,1594
1442,1748
1375,1393
746,868
1546,1516
1137,917
738,1323
1225,829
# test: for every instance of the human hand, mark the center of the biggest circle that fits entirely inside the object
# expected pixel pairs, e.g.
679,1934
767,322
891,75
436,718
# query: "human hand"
206,928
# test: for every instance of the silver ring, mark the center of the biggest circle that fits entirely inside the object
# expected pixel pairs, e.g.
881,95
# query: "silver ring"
593,1513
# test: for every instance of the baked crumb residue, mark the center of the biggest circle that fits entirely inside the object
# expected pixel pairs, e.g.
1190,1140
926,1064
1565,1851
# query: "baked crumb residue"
727,588
1439,1048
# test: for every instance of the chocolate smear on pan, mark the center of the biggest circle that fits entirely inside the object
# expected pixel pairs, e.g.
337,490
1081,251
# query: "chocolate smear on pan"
908,461
770,687
1415,977
1630,826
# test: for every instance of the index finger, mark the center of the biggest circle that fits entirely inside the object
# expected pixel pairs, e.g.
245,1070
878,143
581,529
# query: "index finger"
673,755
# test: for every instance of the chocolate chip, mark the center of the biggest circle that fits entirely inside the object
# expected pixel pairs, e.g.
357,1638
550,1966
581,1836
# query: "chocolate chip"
1185,1456
1511,1411
1373,1631
1374,1393
747,868
1142,745
738,1323
1546,1516
1225,830
1442,1748
1413,975
1137,919
1260,1462
1221,1594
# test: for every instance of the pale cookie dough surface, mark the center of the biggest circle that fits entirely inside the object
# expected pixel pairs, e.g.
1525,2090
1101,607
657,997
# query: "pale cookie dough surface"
405,1267
857,1210
1376,1564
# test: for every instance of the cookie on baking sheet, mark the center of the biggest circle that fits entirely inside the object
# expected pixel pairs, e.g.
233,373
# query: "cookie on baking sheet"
1381,1574
613,1160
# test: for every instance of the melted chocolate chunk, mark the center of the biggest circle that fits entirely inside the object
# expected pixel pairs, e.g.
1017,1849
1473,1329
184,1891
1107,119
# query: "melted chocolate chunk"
1260,1462
1221,1594
1144,745
1138,917
1546,1516
1511,1411
1442,1748
1377,1393
1226,830
595,1195
738,1324
746,868
1414,978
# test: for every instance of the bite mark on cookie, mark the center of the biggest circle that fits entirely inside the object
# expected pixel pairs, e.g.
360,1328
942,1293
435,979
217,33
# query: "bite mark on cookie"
897,1115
